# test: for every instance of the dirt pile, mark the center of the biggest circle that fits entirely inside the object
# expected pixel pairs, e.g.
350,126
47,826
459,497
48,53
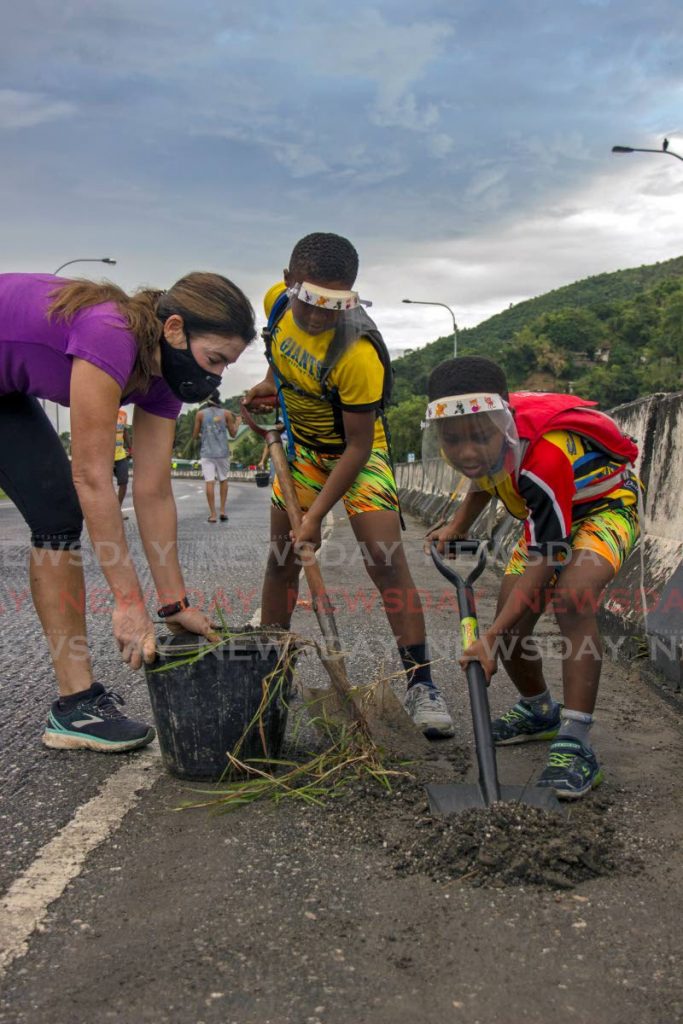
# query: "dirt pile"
511,844
504,845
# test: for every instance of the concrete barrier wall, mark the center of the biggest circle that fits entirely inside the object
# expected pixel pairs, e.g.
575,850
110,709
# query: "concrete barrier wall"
433,490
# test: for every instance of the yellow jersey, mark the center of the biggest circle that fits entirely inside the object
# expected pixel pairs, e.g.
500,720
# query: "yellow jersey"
358,378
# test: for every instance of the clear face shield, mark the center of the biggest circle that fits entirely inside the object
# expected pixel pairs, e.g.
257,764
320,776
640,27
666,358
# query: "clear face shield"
474,433
316,309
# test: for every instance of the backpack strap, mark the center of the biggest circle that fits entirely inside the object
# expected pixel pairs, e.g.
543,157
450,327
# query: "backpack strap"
278,310
361,327
357,324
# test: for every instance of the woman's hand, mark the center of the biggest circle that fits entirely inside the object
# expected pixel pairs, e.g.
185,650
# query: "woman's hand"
441,535
192,620
483,651
134,633
309,533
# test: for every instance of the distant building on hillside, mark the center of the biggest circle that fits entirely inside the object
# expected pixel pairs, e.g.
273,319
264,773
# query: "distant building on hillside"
398,353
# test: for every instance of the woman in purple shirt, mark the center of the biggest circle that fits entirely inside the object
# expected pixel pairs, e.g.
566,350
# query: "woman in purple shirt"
92,347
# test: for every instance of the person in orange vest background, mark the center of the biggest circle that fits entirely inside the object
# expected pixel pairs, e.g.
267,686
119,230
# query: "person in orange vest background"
122,454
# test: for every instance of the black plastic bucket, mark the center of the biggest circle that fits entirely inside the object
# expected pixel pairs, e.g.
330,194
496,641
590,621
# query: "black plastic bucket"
262,479
202,709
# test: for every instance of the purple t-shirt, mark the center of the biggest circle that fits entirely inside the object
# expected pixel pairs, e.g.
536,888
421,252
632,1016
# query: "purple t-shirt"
36,352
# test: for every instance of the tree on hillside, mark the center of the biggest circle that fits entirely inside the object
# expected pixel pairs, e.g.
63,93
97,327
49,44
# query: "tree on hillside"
518,357
668,338
248,449
609,385
573,330
404,425
182,446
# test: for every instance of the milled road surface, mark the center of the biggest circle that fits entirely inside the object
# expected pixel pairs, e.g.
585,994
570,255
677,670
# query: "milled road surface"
292,915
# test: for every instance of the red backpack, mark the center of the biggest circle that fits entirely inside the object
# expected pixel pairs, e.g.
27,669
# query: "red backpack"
536,413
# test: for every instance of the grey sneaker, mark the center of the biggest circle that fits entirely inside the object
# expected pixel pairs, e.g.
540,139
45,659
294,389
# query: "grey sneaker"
91,720
427,708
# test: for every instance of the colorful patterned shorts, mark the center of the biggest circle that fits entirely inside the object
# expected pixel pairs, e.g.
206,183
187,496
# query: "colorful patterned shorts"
611,533
373,490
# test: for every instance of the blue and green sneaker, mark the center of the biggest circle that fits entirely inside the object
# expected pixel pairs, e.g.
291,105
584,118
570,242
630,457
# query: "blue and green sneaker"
521,724
91,720
572,769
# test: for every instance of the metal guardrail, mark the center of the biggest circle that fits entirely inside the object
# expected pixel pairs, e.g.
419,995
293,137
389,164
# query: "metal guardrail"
235,475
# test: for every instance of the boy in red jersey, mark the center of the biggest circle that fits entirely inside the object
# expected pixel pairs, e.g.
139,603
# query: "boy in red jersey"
566,470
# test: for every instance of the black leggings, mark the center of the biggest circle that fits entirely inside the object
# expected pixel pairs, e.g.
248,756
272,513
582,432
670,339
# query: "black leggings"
36,474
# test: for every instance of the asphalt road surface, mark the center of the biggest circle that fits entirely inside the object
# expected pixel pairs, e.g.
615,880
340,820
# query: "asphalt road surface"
118,907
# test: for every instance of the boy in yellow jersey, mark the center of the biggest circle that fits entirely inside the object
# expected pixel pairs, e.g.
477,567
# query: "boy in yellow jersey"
566,471
340,450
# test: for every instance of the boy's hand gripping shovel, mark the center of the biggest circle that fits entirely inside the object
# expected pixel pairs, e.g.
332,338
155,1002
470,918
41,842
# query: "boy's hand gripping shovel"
376,709
446,799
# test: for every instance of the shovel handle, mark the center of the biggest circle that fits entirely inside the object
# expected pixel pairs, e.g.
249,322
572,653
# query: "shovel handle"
483,737
262,429
319,596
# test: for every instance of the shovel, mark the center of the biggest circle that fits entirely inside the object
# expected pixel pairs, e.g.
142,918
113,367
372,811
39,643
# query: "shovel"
447,799
375,708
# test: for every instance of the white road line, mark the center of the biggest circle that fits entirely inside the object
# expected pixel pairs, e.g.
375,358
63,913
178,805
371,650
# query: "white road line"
25,904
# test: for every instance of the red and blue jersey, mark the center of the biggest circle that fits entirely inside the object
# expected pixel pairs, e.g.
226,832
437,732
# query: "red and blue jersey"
575,462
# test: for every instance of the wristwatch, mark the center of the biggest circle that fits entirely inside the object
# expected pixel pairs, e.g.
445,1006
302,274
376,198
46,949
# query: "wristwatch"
173,609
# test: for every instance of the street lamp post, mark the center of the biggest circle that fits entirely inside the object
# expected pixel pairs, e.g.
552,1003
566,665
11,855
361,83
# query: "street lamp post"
86,259
637,149
419,302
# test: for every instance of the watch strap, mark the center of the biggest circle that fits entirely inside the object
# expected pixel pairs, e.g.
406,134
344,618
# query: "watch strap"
172,609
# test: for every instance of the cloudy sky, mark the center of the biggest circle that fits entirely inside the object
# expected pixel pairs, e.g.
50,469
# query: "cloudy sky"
463,145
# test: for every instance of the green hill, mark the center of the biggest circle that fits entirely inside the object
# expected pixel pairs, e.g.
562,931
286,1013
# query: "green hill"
611,337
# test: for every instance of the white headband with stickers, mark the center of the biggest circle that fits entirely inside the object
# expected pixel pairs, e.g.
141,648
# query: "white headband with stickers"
326,298
464,405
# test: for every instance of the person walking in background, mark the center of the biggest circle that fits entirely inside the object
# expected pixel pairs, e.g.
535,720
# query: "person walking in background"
92,347
265,462
214,423
122,455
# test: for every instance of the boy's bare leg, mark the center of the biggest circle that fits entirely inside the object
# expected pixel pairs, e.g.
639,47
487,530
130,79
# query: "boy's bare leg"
379,535
575,603
223,490
281,582
519,655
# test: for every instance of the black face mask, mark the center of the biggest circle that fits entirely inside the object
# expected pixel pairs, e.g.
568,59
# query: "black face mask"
183,374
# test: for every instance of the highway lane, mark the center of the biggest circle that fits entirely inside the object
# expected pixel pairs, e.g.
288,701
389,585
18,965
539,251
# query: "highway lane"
41,789
118,908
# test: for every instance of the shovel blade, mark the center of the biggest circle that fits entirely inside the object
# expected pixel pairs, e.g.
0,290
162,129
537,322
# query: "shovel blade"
388,724
446,799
